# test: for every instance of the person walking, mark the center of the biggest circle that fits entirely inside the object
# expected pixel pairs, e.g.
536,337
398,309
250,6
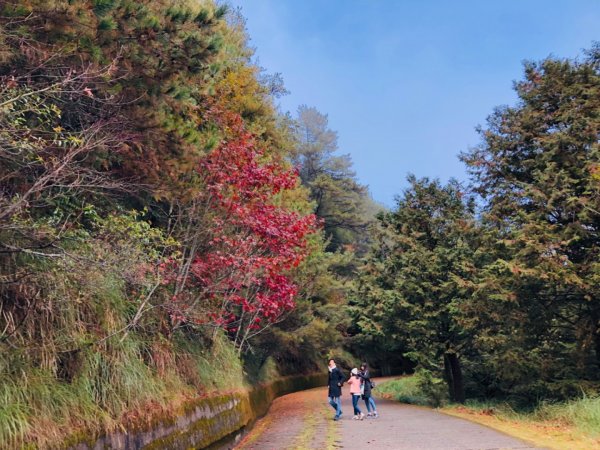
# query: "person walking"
335,382
354,382
367,386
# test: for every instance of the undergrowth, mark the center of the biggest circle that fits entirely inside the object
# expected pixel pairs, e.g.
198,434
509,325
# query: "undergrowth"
114,384
583,413
419,389
71,364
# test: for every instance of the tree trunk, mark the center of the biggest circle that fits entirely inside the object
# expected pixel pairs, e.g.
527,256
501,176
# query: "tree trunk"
458,389
385,369
597,342
454,378
595,331
448,376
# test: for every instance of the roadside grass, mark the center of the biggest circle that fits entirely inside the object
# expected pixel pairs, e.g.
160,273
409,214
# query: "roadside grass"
404,390
583,413
115,386
556,431
574,424
422,389
74,368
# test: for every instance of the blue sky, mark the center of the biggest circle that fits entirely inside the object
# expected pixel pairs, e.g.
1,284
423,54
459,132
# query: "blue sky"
405,82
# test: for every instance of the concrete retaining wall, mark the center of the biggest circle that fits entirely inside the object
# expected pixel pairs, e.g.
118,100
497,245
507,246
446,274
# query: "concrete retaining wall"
204,421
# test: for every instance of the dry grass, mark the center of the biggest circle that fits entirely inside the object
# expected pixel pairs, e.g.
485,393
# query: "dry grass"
566,426
549,434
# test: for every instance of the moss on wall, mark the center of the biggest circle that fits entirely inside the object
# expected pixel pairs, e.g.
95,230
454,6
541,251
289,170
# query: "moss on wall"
202,421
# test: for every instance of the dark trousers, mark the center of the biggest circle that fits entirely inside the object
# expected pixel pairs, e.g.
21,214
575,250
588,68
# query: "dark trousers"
355,399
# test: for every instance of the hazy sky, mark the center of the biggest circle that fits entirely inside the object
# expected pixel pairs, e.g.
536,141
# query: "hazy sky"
405,82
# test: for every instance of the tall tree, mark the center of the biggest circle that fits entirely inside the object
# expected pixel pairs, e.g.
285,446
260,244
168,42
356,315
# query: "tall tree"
536,170
240,272
342,202
410,292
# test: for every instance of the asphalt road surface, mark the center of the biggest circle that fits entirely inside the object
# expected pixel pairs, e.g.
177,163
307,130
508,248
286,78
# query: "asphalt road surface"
304,420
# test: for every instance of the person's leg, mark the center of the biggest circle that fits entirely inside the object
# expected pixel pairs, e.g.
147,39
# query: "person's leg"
339,406
333,403
355,399
367,404
372,402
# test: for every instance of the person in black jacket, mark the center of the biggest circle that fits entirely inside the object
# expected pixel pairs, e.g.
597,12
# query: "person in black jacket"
367,397
335,382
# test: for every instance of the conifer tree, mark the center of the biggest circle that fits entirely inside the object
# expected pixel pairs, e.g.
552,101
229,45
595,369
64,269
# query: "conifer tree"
411,291
536,170
342,202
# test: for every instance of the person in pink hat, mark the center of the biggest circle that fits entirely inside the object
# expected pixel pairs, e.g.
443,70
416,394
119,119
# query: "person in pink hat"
354,383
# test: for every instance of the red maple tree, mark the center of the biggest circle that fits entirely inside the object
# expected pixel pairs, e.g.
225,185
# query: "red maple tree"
252,244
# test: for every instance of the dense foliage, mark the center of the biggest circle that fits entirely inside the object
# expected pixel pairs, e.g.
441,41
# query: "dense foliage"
411,290
153,217
536,170
504,302
165,231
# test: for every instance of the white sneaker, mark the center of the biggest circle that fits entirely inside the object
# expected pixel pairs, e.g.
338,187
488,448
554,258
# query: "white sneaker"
355,418
362,416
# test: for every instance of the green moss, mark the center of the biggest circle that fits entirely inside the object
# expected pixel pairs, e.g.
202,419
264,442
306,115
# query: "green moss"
268,371
205,431
249,406
79,438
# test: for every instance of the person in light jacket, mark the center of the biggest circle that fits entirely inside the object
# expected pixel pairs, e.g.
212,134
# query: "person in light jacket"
335,382
354,382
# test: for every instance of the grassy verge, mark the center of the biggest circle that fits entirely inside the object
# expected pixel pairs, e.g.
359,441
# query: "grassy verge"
117,386
568,425
86,346
404,390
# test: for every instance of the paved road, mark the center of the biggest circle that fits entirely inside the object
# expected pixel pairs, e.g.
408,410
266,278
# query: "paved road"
303,420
